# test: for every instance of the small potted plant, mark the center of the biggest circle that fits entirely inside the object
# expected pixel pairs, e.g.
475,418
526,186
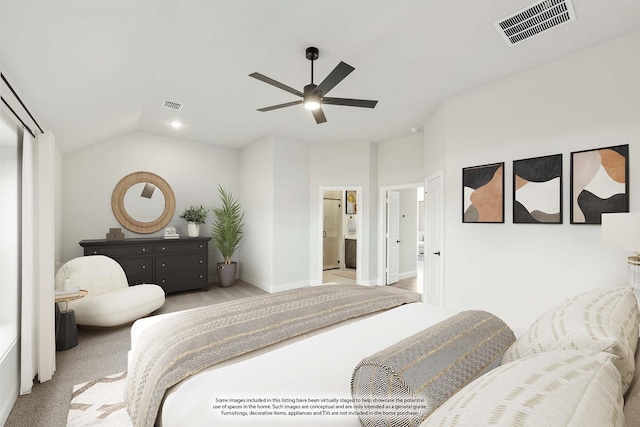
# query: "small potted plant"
226,233
194,216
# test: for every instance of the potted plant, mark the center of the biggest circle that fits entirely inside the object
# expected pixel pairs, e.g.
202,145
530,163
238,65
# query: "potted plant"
194,216
226,233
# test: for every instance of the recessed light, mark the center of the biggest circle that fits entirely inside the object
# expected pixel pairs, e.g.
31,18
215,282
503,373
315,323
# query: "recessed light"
176,124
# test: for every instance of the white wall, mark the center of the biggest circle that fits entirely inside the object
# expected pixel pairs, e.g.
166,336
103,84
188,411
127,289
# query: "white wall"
370,218
57,203
193,170
584,101
400,161
257,195
343,164
408,233
10,137
274,181
290,215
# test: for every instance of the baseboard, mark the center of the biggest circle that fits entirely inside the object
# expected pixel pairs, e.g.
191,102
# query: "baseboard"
10,380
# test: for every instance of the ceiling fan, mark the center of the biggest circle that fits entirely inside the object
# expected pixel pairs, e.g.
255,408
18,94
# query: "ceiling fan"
313,96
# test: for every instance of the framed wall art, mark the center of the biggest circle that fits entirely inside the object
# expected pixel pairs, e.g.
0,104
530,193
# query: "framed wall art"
351,207
483,194
537,190
599,183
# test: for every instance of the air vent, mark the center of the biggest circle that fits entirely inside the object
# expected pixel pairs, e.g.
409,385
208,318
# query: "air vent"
171,105
535,19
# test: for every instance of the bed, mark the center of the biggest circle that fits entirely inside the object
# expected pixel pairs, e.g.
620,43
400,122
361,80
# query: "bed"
316,366
413,364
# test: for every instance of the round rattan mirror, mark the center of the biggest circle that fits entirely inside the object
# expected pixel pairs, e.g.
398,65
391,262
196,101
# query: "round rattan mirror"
138,206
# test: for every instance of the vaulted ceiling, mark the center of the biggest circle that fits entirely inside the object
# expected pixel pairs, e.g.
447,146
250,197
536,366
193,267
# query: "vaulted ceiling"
90,70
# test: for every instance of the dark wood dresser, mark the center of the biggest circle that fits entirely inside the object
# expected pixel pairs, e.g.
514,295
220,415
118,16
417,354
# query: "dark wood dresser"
174,264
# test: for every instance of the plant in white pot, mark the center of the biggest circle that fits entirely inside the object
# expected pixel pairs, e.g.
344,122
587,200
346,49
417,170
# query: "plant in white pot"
226,233
194,216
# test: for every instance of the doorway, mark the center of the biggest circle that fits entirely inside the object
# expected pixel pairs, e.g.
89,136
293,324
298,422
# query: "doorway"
331,230
341,258
401,245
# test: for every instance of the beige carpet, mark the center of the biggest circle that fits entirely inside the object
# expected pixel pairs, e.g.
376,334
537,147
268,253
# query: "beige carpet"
99,403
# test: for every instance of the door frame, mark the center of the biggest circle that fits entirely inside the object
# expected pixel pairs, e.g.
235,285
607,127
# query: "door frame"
382,221
319,225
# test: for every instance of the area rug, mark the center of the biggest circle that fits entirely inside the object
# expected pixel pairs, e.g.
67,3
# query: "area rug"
99,403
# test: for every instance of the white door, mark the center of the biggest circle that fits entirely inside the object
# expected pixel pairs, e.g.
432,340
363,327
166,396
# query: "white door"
393,237
331,234
433,199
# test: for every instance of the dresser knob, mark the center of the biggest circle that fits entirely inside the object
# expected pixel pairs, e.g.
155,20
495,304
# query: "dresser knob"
144,266
200,246
163,248
95,252
162,280
201,276
163,264
200,261
144,249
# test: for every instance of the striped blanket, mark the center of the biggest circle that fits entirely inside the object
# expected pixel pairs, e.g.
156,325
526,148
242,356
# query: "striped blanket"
182,345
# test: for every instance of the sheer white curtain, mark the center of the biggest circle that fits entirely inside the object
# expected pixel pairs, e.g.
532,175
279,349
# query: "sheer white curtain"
37,318
27,333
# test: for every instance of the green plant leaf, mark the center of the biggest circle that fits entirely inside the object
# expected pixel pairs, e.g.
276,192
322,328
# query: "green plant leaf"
195,214
227,230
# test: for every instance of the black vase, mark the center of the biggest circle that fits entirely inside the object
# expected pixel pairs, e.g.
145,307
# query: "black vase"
227,274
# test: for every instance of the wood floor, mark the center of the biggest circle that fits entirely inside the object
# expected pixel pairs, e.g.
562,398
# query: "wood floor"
413,284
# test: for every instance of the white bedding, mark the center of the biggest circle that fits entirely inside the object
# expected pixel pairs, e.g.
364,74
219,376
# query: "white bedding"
319,366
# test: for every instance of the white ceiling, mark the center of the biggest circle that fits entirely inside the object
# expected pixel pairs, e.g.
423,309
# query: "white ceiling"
91,70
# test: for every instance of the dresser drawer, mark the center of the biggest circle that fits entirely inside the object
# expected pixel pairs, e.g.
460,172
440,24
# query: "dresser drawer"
180,247
174,264
115,251
172,281
180,262
138,270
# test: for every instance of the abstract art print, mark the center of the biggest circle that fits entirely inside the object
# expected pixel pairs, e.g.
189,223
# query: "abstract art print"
483,193
351,197
599,183
537,190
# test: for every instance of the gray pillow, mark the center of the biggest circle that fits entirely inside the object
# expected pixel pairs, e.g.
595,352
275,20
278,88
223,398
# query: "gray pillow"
406,382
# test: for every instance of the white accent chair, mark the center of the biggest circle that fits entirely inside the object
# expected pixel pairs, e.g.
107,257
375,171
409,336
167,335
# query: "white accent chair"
110,300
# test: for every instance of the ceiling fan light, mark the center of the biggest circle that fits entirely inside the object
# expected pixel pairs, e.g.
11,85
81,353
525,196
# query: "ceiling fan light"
312,105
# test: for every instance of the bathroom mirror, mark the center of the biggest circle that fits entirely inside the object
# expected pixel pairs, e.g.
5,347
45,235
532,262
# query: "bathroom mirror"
143,202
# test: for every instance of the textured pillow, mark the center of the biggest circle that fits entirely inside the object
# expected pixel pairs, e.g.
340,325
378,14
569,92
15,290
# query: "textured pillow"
632,398
402,384
556,388
604,319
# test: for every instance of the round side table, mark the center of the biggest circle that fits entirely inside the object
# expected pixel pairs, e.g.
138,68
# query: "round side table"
66,327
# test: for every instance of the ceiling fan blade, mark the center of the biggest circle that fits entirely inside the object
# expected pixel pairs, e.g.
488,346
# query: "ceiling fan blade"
350,102
319,116
275,107
277,84
341,71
